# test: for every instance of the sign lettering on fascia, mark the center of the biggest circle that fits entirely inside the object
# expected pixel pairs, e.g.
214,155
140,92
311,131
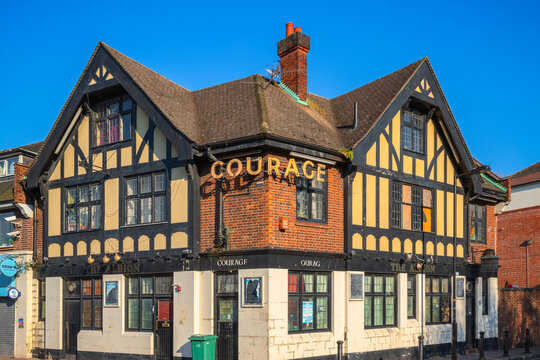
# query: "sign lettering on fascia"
411,268
114,269
235,167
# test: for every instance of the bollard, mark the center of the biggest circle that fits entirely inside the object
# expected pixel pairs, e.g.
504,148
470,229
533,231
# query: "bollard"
506,342
340,350
481,347
527,341
420,347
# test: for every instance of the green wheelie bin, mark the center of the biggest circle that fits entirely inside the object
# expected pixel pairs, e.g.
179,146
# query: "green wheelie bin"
203,347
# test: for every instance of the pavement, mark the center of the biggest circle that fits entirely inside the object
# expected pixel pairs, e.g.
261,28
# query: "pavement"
514,354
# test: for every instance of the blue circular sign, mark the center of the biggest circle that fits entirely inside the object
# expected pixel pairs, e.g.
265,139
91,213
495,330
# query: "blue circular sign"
13,293
8,267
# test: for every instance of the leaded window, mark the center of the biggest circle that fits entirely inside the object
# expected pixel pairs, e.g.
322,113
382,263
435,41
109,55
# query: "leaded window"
92,309
83,208
113,120
411,207
437,299
413,131
309,301
477,223
380,300
311,199
142,295
145,199
411,296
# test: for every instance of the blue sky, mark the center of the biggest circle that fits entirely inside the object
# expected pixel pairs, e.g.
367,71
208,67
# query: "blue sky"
486,55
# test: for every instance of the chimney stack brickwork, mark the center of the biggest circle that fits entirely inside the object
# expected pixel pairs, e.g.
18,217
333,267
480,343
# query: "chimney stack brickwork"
293,53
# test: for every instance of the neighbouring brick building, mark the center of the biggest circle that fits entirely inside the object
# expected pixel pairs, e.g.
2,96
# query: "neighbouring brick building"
21,321
518,242
279,220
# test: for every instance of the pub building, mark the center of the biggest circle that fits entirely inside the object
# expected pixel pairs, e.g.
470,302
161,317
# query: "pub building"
279,220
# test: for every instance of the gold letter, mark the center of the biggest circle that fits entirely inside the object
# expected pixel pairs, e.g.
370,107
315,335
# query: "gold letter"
248,166
311,175
291,167
229,167
320,171
213,169
273,165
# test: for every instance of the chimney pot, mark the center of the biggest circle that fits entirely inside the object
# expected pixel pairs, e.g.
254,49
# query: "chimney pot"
298,29
289,29
293,54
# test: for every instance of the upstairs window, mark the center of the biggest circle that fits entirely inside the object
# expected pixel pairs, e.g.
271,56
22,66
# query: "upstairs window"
83,208
145,199
477,223
7,166
6,227
310,199
413,131
411,207
113,121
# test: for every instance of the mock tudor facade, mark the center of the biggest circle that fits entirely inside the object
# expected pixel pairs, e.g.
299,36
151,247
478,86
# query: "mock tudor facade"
279,220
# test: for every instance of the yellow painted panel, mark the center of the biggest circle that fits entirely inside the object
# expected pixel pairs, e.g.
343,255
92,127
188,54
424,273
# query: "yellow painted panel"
396,245
128,244
449,171
357,199
371,157
142,128
55,210
111,246
430,248
459,216
407,164
384,189
431,95
112,159
357,241
56,172
459,250
160,242
418,89
449,250
109,77
440,249
427,85
92,82
179,195
407,246
54,250
458,183
81,248
111,204
384,244
371,198
420,168
394,164
383,152
68,249
95,247
396,135
160,145
97,162
423,83
69,161
179,240
449,214
83,139
440,212
144,243
429,149
440,167
371,243
418,247
126,156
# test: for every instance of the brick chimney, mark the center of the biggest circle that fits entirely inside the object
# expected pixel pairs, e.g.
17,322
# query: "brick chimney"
293,53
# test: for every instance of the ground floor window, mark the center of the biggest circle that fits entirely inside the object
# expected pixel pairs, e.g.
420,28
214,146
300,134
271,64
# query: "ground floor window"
411,296
380,300
142,294
41,299
89,293
437,299
309,301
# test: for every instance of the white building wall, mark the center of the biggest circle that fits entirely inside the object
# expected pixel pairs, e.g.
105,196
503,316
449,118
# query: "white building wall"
23,307
487,323
53,313
524,196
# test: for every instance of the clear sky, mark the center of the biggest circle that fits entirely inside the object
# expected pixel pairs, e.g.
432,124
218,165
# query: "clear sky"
486,55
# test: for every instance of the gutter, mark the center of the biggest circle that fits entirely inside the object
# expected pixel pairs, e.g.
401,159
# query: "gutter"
494,183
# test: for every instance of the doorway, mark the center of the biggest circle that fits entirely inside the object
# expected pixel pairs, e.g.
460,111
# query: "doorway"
470,311
164,343
226,315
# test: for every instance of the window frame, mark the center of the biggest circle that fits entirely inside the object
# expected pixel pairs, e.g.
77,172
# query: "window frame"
473,209
140,297
101,114
411,293
485,296
42,300
440,294
300,295
396,208
413,127
371,294
4,169
139,196
9,228
88,204
94,299
306,185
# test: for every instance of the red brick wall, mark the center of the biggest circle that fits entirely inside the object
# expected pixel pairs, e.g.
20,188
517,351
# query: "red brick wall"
515,227
519,309
252,209
477,250
294,71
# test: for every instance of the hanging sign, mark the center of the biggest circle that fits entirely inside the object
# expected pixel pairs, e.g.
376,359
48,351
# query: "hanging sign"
13,293
8,267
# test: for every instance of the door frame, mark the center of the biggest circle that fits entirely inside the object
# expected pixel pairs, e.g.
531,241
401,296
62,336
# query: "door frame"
217,297
156,325
472,344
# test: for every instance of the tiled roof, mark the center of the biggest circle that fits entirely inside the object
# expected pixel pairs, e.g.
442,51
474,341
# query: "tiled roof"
527,175
30,147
